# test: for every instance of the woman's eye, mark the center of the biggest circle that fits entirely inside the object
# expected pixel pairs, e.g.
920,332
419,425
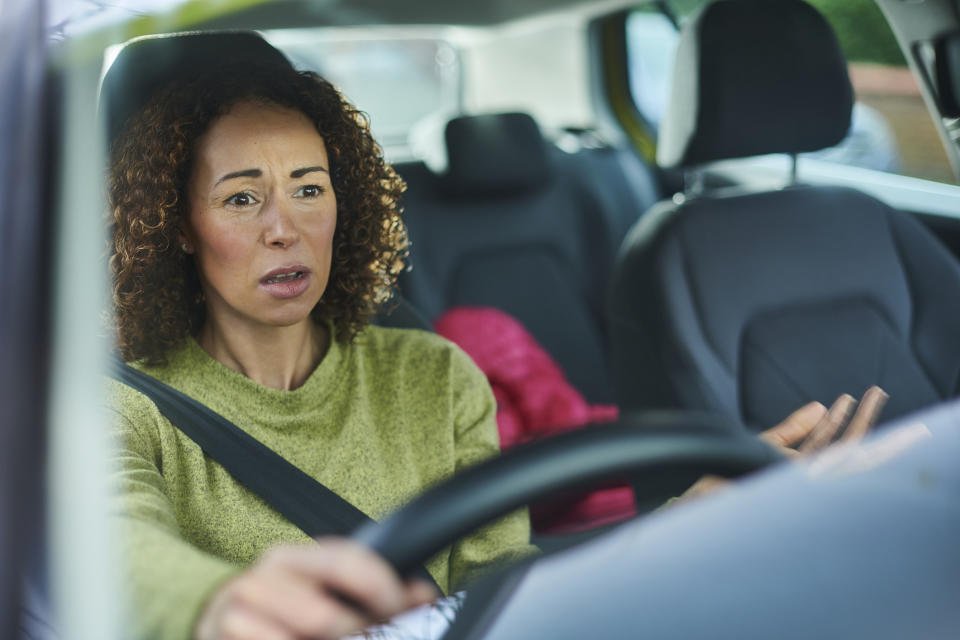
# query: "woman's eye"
241,199
309,191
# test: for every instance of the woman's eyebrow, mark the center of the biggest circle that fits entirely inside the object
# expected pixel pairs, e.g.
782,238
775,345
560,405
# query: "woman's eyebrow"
299,173
256,173
246,173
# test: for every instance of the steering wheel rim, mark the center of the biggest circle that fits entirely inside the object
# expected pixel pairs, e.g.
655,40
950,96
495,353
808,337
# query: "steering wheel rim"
530,472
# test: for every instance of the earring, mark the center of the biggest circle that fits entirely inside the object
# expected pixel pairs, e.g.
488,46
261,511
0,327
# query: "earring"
185,247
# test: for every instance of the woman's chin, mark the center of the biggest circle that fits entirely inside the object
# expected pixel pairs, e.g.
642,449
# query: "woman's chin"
292,311
289,313
288,317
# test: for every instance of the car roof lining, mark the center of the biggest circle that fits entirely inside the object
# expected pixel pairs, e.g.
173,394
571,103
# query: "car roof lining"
301,13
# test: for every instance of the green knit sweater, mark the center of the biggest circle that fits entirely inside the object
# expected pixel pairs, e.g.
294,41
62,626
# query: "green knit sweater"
379,420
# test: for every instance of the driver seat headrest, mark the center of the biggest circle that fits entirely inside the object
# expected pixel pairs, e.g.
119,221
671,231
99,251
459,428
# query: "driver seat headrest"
147,64
495,154
753,77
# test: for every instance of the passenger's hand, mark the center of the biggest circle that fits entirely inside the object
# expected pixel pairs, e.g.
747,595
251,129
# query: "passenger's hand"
327,590
811,428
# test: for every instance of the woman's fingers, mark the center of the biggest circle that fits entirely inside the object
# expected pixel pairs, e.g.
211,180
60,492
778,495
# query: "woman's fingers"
796,427
831,423
227,616
240,623
327,590
278,605
419,593
355,573
297,604
867,414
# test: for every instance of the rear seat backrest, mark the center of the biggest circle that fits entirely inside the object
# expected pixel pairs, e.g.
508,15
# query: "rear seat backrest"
521,226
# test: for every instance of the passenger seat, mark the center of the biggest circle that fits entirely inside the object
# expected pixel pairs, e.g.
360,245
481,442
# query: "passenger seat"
752,303
517,224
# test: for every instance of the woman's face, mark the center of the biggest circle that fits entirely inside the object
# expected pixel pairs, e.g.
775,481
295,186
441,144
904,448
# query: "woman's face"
262,216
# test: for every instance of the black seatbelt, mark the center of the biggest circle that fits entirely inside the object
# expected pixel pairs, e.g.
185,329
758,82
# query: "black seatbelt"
314,508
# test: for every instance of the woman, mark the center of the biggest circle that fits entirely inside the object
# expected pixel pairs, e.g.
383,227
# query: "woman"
255,232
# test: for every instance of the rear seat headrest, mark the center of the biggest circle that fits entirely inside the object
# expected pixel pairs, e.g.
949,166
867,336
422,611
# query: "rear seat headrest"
495,153
753,77
147,64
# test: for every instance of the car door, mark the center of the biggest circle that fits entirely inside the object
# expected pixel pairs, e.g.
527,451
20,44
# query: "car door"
25,109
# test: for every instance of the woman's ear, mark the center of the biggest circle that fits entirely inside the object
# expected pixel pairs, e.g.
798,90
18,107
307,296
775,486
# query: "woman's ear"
185,244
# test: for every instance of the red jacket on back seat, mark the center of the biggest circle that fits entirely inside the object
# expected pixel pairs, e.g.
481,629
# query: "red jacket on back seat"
534,400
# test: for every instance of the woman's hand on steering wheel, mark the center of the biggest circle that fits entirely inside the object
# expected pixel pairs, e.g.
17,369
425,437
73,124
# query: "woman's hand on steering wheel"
327,590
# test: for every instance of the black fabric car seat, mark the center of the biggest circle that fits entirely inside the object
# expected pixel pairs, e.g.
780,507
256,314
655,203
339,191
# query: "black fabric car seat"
149,63
517,224
753,303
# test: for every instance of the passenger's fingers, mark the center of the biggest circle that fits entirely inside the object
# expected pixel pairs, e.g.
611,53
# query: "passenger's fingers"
867,414
704,486
830,424
796,427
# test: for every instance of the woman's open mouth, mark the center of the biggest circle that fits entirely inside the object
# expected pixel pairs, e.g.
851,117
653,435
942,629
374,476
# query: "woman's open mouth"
288,282
284,277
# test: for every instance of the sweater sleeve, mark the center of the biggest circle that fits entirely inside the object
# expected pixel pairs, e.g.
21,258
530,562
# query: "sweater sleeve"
167,579
508,538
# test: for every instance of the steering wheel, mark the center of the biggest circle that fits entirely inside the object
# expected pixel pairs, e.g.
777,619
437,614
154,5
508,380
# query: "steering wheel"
657,445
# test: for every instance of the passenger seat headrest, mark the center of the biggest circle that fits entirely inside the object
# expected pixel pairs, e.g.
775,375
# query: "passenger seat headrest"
494,154
146,65
753,77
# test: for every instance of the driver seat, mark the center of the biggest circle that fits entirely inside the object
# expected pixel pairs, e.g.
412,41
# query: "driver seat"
753,303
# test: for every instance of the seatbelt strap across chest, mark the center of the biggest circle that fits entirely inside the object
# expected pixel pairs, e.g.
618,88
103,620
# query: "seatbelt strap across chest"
310,505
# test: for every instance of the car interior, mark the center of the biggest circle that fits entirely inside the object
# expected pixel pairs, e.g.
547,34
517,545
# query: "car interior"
517,224
844,300
701,273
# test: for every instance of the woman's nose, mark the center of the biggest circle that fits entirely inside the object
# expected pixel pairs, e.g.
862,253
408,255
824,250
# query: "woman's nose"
280,229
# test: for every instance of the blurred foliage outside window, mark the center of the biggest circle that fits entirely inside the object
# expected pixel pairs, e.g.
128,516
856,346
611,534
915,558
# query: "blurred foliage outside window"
861,28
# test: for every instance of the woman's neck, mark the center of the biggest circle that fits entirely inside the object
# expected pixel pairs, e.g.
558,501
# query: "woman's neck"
275,357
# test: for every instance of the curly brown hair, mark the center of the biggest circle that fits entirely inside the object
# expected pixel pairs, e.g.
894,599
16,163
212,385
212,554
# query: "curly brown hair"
156,291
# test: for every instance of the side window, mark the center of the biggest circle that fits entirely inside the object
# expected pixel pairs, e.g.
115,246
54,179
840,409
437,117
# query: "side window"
891,129
891,124
651,45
